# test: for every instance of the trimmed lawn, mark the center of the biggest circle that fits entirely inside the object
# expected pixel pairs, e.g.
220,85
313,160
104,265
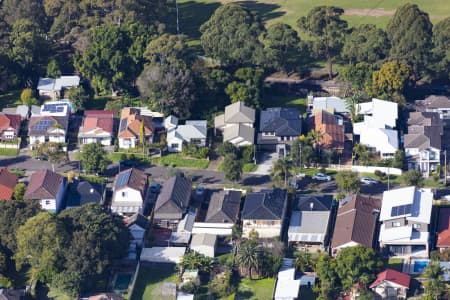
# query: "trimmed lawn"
258,289
395,264
282,101
150,279
180,161
8,152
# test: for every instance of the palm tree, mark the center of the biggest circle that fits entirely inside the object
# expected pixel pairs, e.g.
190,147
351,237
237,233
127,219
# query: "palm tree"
248,256
194,260
350,104
281,170
315,138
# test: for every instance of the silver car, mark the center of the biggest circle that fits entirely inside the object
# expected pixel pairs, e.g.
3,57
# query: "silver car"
321,177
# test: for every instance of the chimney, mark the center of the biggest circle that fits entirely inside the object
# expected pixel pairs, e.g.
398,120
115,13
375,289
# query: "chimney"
91,191
311,205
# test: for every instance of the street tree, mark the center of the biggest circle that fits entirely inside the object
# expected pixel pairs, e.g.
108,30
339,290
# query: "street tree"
327,30
410,34
391,80
441,50
168,89
357,264
348,182
231,35
413,177
40,244
93,158
53,152
366,43
232,167
248,257
282,47
281,171
361,154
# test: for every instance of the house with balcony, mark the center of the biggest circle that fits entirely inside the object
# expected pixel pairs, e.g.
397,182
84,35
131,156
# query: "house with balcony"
278,127
9,126
423,142
236,124
376,131
405,218
97,127
264,212
132,125
192,132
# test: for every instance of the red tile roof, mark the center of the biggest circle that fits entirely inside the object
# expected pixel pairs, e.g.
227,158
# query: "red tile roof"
44,184
104,123
8,120
392,276
7,183
444,228
99,113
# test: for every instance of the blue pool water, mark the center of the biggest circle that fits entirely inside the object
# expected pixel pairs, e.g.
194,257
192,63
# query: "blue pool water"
420,265
122,281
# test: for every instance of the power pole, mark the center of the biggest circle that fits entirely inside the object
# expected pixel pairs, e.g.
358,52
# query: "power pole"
388,178
445,167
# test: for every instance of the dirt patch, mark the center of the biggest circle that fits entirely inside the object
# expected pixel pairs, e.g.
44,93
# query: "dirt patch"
376,12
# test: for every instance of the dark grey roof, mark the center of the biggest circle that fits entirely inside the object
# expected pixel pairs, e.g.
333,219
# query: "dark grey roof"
83,192
319,202
139,220
436,102
425,130
224,207
174,197
264,205
281,120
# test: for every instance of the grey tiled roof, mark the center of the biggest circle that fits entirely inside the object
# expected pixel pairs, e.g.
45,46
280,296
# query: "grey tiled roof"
319,202
83,192
281,120
264,205
174,197
224,207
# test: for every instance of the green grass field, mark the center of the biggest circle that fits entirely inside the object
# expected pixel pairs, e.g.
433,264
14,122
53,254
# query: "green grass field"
258,289
149,282
194,13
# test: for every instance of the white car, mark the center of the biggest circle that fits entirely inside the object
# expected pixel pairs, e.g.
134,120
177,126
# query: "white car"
321,177
368,180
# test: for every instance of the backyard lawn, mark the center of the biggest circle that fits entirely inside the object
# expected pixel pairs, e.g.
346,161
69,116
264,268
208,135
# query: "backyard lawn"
150,280
258,289
395,264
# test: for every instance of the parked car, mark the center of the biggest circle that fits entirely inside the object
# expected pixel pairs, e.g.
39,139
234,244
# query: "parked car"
321,177
368,180
41,157
155,187
129,163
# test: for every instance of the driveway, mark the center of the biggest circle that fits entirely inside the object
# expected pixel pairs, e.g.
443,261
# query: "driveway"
265,162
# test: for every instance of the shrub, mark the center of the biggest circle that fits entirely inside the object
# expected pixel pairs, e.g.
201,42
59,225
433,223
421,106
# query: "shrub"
247,154
195,151
381,175
221,286
189,287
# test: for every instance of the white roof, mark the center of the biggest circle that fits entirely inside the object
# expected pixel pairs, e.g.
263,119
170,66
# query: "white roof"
330,103
183,296
46,84
286,274
421,201
170,122
308,280
163,254
203,240
50,84
402,235
383,140
194,130
287,287
384,113
22,110
144,111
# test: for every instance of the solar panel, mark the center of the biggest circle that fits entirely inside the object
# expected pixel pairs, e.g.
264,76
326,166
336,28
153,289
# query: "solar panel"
401,210
123,124
123,178
60,109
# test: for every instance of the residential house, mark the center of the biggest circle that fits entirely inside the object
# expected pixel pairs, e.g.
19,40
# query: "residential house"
331,104
423,142
9,294
22,110
50,88
51,124
222,214
443,230
129,192
391,284
173,202
331,126
204,243
82,192
236,124
193,132
134,125
287,287
137,224
309,222
434,103
278,127
356,223
97,127
376,131
9,126
405,216
8,181
48,188
264,212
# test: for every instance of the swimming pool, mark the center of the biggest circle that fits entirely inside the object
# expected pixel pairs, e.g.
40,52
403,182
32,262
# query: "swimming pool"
420,265
122,281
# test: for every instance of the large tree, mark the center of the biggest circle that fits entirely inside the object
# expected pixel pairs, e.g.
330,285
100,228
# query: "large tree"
33,11
366,43
357,264
327,30
434,284
282,47
391,80
441,50
326,272
232,167
40,243
348,182
249,256
410,33
231,36
168,49
93,158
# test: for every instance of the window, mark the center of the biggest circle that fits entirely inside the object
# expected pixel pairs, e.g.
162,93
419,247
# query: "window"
124,194
174,146
47,202
196,141
395,224
416,226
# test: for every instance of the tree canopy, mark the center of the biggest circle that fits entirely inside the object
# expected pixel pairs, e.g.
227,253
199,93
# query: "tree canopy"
93,158
231,36
441,50
392,79
282,47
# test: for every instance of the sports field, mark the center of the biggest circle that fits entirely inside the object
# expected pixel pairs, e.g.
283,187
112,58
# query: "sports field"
194,13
